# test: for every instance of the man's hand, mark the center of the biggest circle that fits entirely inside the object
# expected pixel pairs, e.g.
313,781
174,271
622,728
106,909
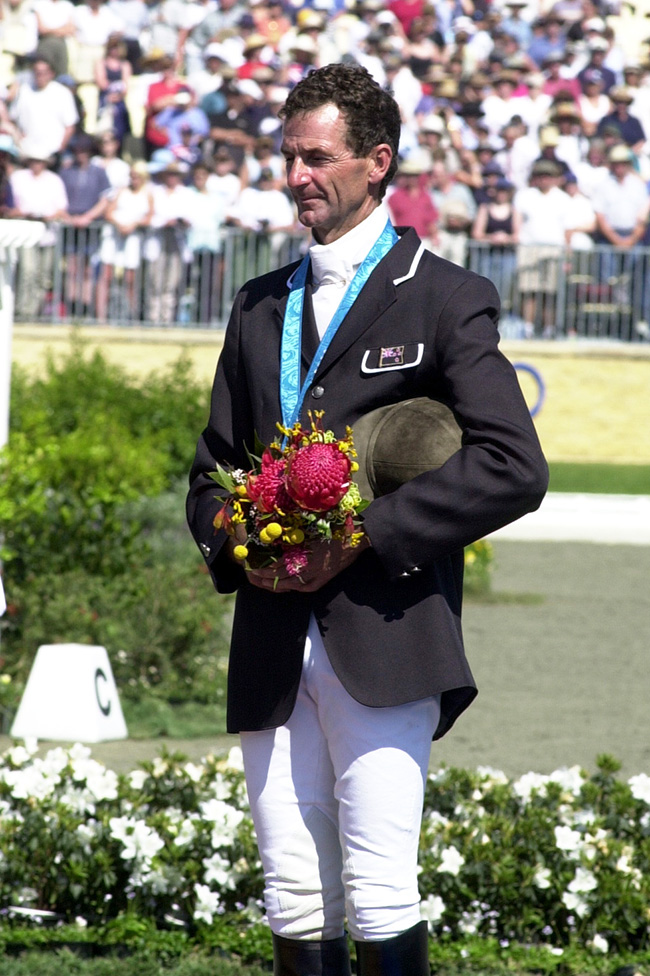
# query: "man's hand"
326,561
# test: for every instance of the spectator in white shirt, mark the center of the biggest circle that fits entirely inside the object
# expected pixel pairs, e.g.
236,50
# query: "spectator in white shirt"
542,208
167,248
44,111
39,194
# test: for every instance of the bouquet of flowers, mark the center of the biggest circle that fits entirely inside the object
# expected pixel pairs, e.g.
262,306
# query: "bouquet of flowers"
296,494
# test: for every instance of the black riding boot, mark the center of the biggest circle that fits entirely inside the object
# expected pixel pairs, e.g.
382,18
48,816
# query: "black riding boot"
404,955
297,957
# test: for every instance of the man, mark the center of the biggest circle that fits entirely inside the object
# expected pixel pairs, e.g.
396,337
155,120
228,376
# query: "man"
340,678
629,128
88,190
542,209
44,111
621,202
39,194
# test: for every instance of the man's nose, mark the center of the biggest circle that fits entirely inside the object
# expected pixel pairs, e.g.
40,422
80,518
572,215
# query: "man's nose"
297,173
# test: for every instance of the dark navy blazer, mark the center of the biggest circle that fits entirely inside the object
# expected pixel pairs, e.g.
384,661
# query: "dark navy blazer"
391,622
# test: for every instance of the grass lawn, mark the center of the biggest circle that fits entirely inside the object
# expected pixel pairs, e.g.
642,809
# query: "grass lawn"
603,479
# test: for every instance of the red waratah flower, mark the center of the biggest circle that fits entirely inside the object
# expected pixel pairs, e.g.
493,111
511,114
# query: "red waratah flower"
267,489
318,476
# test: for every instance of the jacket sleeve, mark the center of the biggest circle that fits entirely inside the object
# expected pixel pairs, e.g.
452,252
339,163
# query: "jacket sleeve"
222,442
499,473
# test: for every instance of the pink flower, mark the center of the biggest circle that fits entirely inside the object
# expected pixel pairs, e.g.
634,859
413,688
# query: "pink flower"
267,489
318,476
295,560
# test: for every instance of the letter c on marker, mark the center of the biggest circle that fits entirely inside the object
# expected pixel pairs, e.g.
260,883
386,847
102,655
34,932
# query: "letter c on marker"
105,709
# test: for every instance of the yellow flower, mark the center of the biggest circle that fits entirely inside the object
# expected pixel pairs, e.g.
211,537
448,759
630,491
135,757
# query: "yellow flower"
241,490
237,513
240,553
273,529
295,537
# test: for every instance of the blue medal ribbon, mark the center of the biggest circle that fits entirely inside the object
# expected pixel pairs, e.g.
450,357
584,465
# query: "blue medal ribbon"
291,393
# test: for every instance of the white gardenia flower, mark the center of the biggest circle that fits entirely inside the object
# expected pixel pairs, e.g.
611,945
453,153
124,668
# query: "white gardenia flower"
186,833
526,784
570,780
225,818
567,839
35,782
575,903
451,861
235,759
599,943
218,871
492,777
437,821
207,903
640,786
542,877
432,909
583,881
194,771
137,779
140,841
19,755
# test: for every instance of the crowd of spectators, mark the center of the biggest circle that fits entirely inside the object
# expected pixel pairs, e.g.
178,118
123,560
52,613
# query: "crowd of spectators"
526,126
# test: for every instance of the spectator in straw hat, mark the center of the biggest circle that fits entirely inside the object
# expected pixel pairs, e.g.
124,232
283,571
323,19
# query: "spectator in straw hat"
542,208
635,78
501,105
629,128
166,248
303,58
39,194
549,141
571,144
621,202
410,204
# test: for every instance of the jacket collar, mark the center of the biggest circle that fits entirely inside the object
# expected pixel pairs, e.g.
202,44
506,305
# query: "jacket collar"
380,291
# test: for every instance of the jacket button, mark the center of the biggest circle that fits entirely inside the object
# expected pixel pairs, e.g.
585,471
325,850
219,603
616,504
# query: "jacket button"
317,392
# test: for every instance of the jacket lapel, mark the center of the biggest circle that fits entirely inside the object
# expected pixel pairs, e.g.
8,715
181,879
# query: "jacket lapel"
377,295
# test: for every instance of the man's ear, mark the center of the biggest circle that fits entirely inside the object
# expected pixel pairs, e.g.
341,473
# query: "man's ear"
381,158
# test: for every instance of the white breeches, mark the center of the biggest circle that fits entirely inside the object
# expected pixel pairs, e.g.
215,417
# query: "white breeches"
336,796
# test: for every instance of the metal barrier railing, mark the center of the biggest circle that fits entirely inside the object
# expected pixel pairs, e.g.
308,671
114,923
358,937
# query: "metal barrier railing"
155,279
545,291
554,292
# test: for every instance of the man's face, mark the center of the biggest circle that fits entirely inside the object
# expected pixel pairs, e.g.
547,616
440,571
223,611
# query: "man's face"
332,188
43,74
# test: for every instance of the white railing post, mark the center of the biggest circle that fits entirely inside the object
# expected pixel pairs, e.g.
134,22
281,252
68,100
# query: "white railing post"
14,234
